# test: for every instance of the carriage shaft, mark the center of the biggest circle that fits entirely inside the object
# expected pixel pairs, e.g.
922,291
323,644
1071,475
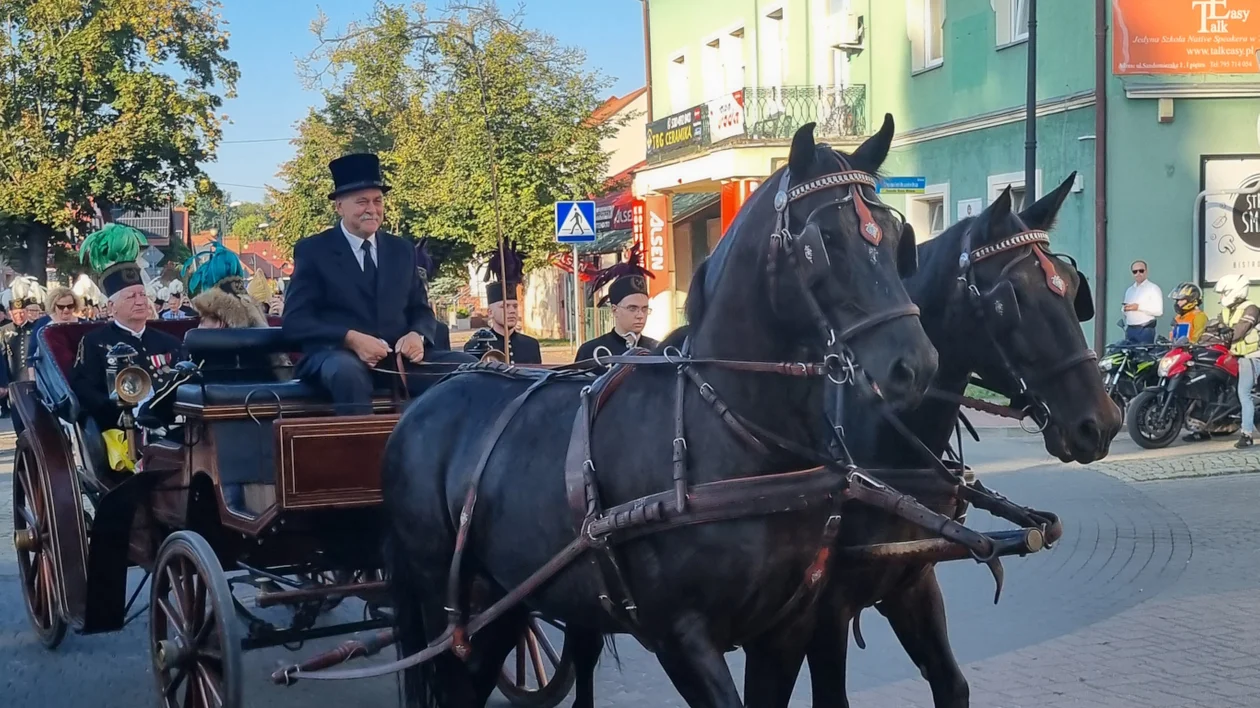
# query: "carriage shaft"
281,597
935,550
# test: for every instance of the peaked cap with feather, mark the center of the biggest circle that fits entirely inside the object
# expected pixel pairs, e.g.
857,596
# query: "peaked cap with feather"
507,267
628,277
112,252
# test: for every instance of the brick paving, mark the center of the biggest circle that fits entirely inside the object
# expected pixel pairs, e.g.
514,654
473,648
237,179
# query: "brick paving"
1152,598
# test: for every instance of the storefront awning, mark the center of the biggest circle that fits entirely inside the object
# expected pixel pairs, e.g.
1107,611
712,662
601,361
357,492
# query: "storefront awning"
607,242
685,205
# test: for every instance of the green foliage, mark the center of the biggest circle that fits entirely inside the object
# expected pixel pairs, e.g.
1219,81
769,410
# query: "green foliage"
107,101
436,98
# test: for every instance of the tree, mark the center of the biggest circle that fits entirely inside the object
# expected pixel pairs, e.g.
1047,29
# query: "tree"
104,103
459,107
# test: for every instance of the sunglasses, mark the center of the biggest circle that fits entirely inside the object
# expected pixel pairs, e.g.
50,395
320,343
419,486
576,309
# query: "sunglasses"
65,307
1138,270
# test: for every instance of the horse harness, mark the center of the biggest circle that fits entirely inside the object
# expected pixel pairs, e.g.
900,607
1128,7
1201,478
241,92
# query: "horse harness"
1037,242
833,482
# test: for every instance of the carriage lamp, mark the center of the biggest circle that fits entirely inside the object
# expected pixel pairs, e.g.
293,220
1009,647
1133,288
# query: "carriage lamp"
132,385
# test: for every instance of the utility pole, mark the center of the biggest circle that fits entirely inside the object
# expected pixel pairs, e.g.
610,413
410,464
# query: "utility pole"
1030,118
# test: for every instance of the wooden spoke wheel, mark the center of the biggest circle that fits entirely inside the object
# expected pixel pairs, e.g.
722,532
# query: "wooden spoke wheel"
535,675
194,636
32,540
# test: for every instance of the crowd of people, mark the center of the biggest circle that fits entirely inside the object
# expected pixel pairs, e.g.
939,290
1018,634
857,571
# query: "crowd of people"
356,308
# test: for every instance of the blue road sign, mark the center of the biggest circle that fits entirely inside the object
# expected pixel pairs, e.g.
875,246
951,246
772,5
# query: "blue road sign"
902,185
575,222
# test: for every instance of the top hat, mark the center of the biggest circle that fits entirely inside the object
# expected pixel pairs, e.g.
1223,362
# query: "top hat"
357,171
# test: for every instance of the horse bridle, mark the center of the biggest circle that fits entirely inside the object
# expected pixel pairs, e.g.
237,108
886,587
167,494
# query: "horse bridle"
795,247
1038,242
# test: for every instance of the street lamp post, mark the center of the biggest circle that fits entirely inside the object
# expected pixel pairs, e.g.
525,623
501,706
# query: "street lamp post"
1030,119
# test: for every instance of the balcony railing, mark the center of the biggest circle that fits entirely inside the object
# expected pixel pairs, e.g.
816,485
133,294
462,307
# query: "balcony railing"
760,114
776,112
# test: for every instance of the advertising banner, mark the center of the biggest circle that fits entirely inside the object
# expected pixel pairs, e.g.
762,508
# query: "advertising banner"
1185,36
1230,238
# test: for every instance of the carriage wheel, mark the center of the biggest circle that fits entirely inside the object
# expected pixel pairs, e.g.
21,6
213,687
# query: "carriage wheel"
535,675
193,632
32,540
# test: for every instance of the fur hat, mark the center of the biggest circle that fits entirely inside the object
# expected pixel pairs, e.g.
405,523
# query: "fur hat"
229,303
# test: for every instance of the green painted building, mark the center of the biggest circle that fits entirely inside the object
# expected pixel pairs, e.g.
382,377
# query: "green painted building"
953,74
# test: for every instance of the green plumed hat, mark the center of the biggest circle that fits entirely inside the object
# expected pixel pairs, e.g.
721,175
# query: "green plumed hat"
210,268
112,252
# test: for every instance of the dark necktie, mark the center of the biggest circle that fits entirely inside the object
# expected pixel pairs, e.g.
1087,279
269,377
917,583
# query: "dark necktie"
369,265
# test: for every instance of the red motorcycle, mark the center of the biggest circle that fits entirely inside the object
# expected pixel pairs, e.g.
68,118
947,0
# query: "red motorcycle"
1197,389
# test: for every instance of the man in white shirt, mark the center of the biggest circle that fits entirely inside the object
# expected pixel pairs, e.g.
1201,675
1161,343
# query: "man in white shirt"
1143,305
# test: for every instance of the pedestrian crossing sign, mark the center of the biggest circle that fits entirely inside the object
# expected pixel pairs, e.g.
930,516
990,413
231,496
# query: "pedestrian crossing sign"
575,222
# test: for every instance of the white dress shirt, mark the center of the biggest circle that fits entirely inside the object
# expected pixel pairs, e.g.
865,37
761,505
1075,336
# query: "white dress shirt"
356,245
1150,301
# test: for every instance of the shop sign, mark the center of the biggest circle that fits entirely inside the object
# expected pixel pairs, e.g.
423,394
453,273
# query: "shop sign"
676,134
613,213
1230,229
726,117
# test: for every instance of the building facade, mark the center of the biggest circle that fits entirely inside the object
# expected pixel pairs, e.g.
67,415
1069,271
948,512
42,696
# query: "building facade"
1181,100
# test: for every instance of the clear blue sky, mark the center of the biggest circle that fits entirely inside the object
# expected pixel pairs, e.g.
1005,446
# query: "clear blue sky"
267,36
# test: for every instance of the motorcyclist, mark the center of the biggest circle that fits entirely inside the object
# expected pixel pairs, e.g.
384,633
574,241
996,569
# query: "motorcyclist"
1190,320
1241,315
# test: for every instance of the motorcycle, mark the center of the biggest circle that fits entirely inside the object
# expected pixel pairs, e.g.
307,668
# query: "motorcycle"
1197,389
1128,369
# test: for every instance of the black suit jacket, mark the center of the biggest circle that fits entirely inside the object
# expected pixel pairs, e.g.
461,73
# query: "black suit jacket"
329,295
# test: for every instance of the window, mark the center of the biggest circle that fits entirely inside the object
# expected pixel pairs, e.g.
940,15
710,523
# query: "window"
1014,180
711,67
772,49
722,63
1012,21
733,60
928,213
1019,19
925,24
679,88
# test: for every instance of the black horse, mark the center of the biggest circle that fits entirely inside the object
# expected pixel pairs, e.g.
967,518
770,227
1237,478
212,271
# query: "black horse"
1015,325
699,589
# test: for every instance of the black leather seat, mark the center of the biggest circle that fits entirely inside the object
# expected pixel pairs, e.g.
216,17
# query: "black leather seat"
202,343
225,394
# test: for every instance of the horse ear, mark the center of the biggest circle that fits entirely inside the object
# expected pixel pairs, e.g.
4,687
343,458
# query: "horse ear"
1041,214
871,154
801,158
999,209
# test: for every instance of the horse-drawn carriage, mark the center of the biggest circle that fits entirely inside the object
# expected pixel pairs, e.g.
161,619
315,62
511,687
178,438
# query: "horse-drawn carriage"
261,498
705,529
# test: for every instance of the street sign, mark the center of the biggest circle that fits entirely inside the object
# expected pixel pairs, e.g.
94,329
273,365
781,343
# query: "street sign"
152,255
902,185
575,222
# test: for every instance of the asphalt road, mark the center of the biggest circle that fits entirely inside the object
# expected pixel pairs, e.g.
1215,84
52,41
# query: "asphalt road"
1125,544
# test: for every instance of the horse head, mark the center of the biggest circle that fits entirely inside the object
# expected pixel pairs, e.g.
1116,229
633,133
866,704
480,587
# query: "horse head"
813,264
1028,306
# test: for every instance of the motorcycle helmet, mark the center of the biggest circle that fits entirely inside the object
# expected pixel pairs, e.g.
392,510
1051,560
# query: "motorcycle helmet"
1232,289
1189,294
